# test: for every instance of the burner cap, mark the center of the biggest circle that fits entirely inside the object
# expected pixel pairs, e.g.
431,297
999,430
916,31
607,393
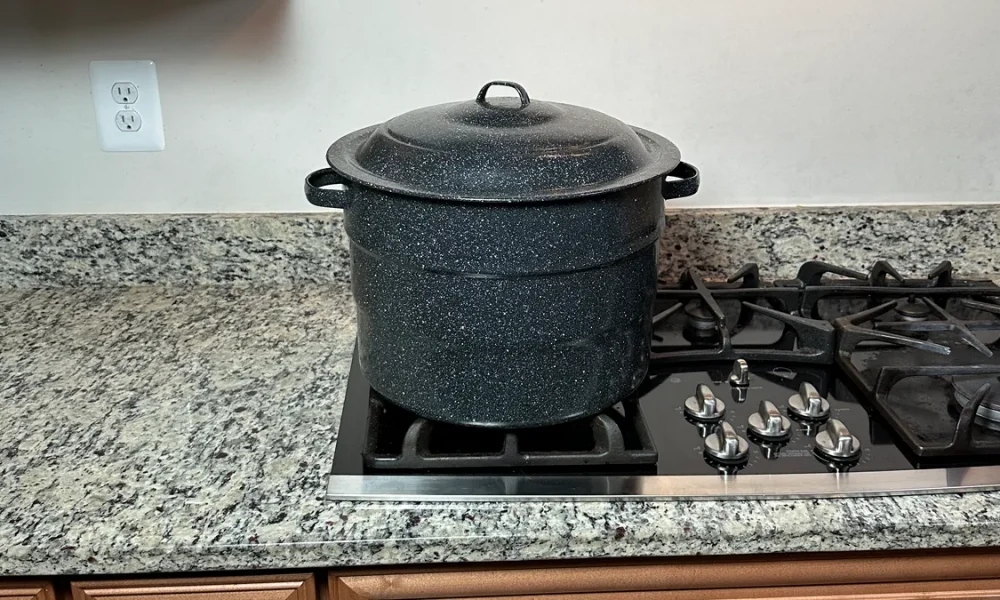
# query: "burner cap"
913,310
966,387
699,317
700,325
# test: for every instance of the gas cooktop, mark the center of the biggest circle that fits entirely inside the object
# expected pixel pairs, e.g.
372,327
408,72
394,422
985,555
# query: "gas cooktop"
835,383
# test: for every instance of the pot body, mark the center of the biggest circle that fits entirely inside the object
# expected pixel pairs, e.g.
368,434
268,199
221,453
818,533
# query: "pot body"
504,315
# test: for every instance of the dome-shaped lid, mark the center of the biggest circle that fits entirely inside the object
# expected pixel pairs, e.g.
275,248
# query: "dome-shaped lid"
502,149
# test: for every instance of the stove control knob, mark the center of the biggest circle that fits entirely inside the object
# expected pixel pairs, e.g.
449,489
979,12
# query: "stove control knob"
704,406
726,446
808,404
739,394
768,422
836,443
741,373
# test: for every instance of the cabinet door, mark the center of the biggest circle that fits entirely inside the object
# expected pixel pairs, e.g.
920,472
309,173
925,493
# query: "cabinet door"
33,590
959,590
275,587
940,590
956,576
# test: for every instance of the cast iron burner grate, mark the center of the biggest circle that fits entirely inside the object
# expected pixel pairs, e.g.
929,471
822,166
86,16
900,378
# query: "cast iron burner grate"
739,318
926,370
400,441
881,284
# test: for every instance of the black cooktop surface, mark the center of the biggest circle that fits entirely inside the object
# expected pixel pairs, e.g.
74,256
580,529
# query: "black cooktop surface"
903,373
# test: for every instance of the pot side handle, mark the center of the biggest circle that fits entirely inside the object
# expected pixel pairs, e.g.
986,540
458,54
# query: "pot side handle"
327,197
681,182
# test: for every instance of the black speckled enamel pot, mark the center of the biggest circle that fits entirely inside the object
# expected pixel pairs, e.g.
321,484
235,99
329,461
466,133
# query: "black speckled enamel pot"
503,255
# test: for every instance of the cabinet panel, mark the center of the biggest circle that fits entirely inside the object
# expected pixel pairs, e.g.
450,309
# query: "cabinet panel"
20,590
957,575
274,587
951,590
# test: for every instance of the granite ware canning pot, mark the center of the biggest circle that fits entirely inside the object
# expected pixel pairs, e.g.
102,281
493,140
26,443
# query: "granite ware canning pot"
503,255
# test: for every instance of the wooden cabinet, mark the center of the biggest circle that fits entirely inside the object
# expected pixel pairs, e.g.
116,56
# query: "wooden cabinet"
921,575
15,590
964,575
272,587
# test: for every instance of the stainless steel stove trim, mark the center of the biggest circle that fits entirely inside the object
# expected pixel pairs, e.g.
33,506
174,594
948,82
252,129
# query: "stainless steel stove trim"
586,488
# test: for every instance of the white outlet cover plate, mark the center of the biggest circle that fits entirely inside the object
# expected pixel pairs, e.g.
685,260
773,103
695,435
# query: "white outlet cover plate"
104,74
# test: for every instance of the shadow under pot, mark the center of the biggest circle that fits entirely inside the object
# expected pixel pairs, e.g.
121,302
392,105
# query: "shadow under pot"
503,255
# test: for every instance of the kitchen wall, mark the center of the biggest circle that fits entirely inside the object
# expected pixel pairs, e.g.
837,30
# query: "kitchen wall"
778,101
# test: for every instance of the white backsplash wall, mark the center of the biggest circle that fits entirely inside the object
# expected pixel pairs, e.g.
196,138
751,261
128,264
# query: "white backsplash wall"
777,101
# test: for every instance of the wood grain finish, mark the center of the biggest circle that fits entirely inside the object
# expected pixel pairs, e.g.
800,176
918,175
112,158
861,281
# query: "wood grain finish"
274,587
952,590
14,590
953,576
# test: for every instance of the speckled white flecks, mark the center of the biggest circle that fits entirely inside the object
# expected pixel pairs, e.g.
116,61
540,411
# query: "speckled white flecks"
913,239
121,250
169,429
263,249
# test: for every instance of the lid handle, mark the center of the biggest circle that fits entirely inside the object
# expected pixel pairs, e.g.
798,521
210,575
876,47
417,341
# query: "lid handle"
481,98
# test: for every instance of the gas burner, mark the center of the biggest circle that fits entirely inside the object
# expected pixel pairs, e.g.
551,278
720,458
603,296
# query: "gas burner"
700,326
966,387
738,318
882,284
912,311
944,322
912,370
870,326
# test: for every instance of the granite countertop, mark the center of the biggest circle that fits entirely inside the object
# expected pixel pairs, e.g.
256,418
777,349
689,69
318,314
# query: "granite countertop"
191,428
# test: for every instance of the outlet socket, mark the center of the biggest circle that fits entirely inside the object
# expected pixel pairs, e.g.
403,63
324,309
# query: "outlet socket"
128,121
124,92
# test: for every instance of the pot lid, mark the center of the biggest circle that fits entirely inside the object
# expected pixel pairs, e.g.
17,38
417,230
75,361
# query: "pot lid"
502,149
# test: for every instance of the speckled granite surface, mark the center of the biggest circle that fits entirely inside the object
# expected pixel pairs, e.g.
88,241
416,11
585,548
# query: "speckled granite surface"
46,251
312,248
151,429
914,239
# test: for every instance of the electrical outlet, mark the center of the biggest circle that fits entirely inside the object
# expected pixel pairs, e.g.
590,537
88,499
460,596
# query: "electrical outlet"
124,92
128,120
127,105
